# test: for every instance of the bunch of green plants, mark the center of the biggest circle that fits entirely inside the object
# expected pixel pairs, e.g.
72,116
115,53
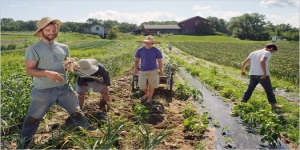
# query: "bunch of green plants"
15,96
268,124
196,125
150,140
106,140
189,110
141,112
197,95
183,91
216,123
242,109
270,132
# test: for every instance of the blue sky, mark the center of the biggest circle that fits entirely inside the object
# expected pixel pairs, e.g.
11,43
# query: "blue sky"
138,11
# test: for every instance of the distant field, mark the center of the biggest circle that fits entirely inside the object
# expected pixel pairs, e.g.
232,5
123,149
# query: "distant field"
24,37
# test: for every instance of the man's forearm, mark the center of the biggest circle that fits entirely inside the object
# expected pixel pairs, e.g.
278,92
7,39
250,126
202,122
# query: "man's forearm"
263,67
36,72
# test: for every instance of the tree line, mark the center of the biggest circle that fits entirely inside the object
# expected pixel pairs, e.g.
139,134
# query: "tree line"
246,27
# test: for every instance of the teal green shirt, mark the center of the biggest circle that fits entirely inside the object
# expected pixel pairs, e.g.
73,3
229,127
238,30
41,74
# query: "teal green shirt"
48,57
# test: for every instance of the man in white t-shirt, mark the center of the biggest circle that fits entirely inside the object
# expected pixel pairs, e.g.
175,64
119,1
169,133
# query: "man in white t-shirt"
259,73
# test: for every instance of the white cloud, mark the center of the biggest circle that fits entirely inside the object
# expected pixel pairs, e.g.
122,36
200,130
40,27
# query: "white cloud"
207,11
199,7
135,18
226,15
279,3
276,19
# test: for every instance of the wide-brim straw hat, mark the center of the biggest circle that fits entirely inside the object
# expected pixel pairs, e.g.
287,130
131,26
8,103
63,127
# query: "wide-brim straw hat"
43,23
149,39
88,66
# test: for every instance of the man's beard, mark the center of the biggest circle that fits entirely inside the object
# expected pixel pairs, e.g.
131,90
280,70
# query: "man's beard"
48,38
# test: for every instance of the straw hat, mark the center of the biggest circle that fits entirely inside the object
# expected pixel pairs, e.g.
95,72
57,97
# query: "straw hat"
43,23
88,66
149,39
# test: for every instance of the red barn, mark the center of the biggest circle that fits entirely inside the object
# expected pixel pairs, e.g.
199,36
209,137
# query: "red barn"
189,26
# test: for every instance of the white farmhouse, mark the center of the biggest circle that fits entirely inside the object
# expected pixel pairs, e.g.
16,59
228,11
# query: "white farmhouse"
97,29
276,38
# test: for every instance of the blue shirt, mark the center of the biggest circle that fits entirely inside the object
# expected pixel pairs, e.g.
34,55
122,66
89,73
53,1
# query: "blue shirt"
148,58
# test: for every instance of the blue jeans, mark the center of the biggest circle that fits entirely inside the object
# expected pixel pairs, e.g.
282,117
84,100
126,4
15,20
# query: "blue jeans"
43,99
266,84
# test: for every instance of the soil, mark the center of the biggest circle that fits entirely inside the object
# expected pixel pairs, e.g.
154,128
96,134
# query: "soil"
164,114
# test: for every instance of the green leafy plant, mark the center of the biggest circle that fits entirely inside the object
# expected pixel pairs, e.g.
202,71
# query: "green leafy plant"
189,110
270,132
141,111
225,130
197,95
216,123
214,70
183,91
195,124
242,109
228,140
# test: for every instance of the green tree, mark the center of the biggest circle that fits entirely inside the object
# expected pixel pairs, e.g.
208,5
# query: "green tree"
126,27
110,23
205,28
113,33
248,26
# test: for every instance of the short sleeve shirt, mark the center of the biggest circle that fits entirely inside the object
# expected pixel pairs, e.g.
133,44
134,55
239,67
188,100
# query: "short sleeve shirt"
48,57
148,58
255,58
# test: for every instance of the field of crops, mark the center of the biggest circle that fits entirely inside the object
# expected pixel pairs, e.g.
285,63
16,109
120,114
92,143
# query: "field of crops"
118,57
284,63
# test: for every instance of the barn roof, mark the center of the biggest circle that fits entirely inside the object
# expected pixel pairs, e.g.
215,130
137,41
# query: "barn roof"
161,26
192,18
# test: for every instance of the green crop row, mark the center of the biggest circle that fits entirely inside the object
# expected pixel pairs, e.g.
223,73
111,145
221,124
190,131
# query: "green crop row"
283,65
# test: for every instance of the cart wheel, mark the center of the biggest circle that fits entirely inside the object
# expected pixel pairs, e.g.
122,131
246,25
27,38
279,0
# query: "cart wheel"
171,82
170,78
132,83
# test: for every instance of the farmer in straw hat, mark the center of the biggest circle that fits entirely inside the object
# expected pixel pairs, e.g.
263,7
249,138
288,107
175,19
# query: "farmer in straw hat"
44,62
148,55
93,68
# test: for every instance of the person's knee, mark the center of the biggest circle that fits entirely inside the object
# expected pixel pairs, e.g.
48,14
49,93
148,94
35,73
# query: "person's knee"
31,121
78,116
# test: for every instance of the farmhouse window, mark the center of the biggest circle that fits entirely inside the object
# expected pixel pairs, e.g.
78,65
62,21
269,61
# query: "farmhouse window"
190,23
197,23
97,28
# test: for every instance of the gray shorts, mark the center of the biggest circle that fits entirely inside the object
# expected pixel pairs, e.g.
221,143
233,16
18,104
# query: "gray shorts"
96,87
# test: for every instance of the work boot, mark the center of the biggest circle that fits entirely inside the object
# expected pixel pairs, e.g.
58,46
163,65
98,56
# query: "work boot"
274,106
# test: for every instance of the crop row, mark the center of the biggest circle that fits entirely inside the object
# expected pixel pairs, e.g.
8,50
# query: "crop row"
284,63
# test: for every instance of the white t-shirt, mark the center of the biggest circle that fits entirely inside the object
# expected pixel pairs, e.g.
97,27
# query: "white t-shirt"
255,58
